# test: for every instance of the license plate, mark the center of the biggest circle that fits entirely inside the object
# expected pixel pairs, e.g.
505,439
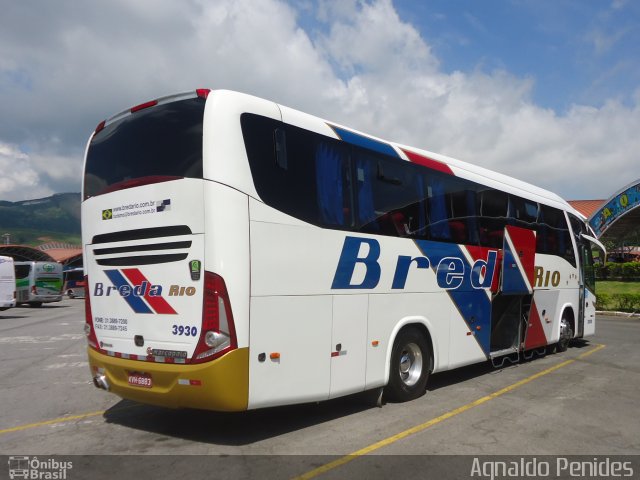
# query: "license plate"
140,380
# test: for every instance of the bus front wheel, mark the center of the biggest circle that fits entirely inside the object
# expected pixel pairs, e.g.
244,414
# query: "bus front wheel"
565,334
409,369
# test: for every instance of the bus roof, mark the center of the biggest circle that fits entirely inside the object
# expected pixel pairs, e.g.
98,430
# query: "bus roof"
248,103
229,102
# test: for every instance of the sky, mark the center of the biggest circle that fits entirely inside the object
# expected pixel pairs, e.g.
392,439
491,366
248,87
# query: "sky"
547,91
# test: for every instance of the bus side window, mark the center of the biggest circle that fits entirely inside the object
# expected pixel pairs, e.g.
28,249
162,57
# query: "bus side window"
464,216
300,173
522,213
577,225
390,195
333,184
493,217
280,144
438,210
553,234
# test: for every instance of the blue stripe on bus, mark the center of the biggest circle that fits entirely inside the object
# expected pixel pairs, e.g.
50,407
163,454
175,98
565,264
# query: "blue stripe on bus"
365,142
136,303
473,304
513,282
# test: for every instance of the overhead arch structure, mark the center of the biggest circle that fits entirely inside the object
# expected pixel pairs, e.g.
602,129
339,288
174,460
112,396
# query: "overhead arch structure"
24,253
620,214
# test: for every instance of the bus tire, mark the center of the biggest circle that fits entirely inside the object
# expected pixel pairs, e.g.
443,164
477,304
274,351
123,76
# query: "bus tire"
35,304
566,334
409,368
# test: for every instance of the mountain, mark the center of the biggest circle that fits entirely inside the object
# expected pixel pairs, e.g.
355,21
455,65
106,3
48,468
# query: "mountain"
33,222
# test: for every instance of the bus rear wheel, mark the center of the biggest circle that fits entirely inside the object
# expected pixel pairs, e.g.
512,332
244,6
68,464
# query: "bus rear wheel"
409,369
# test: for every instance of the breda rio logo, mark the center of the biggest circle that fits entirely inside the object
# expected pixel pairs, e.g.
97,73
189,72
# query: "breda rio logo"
139,293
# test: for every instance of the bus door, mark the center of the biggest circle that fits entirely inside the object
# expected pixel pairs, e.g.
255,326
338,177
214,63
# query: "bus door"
511,306
587,314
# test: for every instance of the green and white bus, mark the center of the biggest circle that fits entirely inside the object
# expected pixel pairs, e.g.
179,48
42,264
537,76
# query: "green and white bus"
38,282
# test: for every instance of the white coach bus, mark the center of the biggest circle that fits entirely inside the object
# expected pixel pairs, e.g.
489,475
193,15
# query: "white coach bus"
241,254
7,283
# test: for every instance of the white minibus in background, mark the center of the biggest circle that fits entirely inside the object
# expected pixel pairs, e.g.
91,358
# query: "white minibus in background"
38,282
241,254
7,283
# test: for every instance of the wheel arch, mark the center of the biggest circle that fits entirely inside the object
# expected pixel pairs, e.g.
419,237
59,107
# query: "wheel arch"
421,324
568,310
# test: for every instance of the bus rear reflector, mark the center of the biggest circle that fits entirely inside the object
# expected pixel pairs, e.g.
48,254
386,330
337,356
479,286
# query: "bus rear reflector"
218,334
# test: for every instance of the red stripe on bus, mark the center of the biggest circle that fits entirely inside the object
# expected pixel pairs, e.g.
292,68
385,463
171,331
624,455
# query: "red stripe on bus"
428,162
159,304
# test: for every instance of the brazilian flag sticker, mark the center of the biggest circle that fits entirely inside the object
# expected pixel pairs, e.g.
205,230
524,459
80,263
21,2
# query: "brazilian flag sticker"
107,214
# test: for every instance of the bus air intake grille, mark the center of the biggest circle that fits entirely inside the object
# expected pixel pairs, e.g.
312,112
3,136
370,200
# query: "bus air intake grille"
147,246
141,260
142,248
142,233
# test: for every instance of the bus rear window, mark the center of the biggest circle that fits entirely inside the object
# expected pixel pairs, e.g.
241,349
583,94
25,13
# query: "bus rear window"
155,144
22,271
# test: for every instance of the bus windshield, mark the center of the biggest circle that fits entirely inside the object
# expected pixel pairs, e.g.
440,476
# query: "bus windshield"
152,145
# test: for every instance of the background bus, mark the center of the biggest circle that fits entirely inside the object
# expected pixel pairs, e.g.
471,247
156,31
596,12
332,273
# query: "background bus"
7,283
38,282
241,254
74,285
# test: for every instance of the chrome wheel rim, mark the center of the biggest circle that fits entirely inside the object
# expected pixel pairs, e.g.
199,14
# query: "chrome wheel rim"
564,328
410,367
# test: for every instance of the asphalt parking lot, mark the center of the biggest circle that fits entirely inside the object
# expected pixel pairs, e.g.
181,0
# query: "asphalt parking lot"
580,402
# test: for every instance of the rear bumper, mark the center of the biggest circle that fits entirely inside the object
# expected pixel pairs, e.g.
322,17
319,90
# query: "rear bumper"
45,298
220,385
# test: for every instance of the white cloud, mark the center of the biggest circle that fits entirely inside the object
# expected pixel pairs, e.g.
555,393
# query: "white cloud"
484,118
18,175
65,69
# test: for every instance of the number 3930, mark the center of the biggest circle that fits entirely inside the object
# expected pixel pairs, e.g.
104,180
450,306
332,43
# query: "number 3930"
185,330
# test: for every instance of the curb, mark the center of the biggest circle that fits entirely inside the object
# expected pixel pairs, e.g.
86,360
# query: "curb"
618,314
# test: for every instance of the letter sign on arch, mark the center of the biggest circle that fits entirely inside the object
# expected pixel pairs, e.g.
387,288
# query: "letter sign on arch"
619,205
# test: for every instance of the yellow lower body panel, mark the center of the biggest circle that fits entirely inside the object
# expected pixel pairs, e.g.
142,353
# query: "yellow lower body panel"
220,385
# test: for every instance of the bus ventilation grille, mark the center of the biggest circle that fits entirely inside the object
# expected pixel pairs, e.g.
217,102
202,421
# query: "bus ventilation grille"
161,252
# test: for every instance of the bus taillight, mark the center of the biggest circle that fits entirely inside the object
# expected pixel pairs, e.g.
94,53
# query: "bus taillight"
88,318
100,127
217,335
144,105
203,92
